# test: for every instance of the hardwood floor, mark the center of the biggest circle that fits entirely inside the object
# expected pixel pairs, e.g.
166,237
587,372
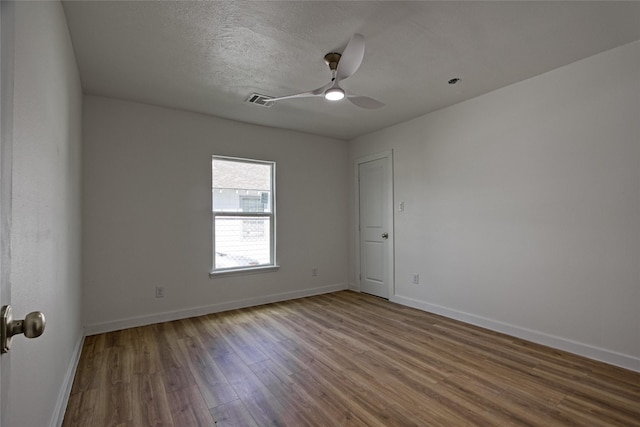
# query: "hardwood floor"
342,359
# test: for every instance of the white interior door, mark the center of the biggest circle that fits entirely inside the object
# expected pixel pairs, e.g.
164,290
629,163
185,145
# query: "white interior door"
375,225
6,138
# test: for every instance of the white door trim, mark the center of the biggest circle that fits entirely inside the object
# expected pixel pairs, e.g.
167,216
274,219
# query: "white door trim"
388,155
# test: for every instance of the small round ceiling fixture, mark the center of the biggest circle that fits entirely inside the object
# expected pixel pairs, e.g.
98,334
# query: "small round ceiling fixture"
454,80
334,94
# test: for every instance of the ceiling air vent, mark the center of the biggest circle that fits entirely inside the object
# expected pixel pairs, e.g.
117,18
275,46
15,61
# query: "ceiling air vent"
262,100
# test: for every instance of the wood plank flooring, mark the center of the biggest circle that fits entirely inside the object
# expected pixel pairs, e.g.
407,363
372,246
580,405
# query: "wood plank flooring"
341,359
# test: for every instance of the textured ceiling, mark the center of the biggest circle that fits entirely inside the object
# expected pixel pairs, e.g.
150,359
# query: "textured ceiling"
209,56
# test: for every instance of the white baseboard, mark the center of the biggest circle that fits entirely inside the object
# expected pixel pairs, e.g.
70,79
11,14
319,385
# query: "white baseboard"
65,390
133,322
591,352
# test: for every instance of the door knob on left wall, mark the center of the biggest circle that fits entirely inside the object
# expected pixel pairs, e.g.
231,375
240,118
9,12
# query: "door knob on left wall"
32,326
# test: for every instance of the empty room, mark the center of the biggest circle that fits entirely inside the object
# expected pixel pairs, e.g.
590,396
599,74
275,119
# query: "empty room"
319,213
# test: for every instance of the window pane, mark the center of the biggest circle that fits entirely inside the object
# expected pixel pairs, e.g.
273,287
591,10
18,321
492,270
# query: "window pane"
235,183
243,198
242,241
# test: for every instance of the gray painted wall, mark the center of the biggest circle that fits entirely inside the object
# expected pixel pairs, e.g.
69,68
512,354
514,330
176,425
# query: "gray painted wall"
147,213
522,208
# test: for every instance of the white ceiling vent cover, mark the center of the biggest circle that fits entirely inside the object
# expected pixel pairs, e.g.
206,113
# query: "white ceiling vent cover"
262,100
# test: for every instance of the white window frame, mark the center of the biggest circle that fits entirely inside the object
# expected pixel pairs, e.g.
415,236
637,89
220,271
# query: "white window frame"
272,266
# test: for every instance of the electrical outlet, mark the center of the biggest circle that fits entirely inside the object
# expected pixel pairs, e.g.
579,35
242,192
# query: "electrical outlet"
314,272
415,279
159,292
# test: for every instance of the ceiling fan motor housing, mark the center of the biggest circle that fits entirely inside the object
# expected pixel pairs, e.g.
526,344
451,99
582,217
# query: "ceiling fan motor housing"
332,60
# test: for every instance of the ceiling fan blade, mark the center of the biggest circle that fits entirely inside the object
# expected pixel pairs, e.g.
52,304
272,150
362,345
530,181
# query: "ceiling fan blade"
351,57
297,95
365,102
316,92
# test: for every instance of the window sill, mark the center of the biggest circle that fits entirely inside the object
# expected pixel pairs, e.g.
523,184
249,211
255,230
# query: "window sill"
243,271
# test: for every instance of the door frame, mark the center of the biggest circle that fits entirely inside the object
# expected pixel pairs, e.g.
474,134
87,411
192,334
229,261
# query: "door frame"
390,271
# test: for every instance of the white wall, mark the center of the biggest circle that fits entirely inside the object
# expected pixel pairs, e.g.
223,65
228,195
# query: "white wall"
46,214
147,213
522,208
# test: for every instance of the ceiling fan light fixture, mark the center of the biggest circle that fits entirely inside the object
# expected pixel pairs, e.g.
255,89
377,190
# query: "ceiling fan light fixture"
334,94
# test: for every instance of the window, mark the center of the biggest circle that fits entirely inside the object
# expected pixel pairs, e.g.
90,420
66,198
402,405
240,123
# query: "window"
244,221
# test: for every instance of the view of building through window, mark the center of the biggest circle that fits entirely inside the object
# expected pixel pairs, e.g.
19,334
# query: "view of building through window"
243,213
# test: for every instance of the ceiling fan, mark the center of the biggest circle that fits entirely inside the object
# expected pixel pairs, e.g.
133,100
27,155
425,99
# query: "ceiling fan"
342,66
